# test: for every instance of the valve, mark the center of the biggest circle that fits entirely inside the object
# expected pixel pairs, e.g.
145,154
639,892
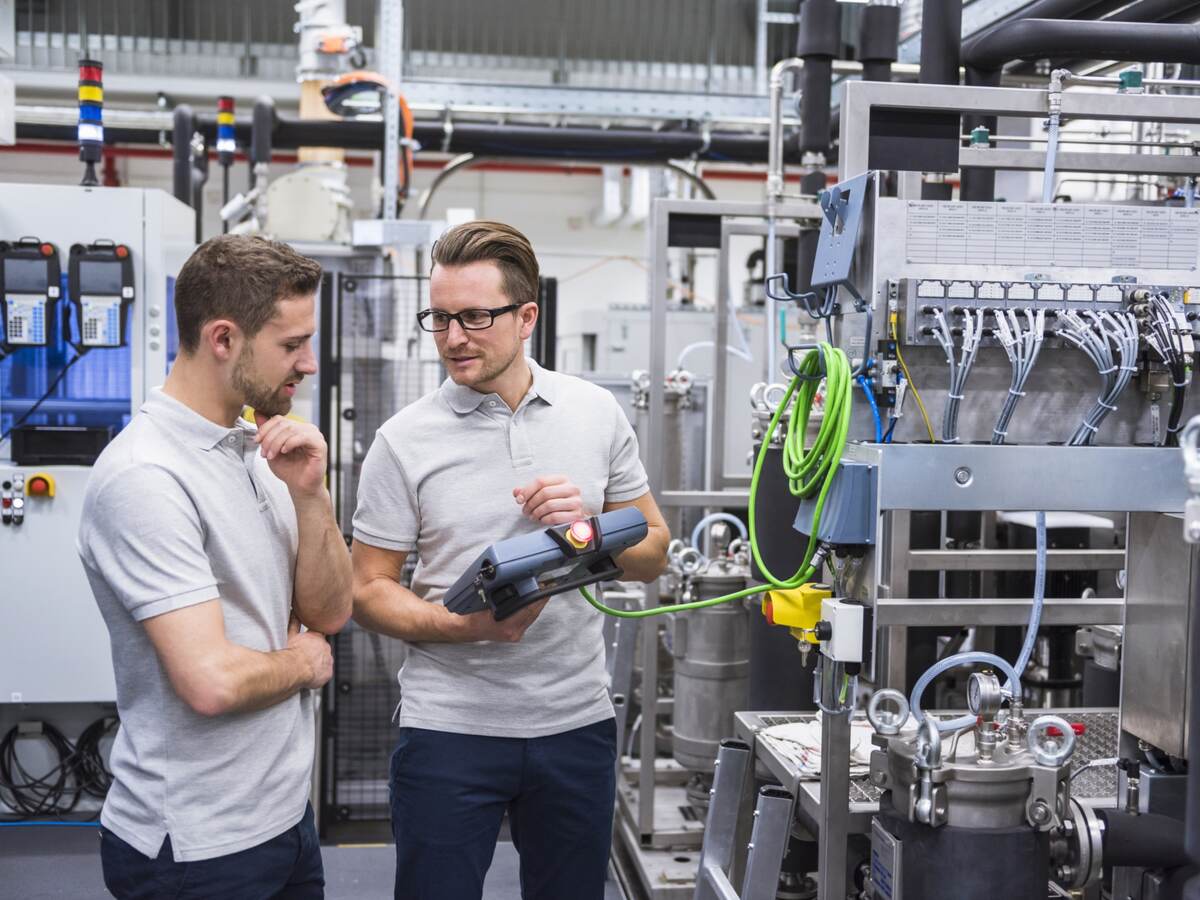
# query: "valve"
1048,749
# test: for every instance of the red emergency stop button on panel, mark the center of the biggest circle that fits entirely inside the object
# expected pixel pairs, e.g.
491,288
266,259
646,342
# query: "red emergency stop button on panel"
122,251
579,535
40,484
47,249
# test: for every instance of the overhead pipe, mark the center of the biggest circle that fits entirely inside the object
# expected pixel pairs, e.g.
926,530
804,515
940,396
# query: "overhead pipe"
941,44
630,145
941,41
818,43
879,39
1050,38
980,183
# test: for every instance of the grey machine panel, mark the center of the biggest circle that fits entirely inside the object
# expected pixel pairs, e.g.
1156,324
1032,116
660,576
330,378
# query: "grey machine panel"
1161,579
55,648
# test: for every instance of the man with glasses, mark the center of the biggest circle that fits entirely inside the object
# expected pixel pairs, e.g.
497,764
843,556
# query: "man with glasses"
495,716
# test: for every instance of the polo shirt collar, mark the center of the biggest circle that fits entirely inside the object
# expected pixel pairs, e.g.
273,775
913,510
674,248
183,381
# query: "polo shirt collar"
184,421
463,399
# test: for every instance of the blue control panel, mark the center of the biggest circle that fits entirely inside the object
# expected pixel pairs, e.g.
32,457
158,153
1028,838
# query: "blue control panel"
513,573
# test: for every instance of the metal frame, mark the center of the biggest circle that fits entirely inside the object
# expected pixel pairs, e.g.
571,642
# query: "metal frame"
860,97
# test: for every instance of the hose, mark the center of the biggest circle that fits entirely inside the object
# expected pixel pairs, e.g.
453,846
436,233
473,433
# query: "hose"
810,470
1039,594
973,657
712,519
865,383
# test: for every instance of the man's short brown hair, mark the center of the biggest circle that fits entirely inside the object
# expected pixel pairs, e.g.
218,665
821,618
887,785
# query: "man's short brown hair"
240,278
485,241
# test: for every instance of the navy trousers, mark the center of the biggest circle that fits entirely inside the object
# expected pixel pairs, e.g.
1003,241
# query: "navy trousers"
449,793
287,867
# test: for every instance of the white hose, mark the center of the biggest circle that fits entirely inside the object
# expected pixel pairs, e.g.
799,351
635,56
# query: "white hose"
1051,160
950,662
1039,595
712,519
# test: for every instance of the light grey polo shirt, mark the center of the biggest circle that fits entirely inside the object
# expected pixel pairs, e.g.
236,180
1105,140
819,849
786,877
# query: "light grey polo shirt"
180,510
438,479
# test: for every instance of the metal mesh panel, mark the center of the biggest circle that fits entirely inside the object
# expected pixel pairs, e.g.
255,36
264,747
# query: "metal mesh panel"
365,696
387,363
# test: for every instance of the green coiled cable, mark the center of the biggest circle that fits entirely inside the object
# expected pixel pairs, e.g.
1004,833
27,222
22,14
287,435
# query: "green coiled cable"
809,470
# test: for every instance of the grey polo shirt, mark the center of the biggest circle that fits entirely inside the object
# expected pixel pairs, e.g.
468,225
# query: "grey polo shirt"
180,510
438,479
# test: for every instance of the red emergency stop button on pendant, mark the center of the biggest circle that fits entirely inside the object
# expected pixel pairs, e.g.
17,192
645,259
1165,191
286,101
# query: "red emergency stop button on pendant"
579,535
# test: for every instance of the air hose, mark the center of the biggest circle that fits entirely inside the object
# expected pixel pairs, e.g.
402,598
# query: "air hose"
810,470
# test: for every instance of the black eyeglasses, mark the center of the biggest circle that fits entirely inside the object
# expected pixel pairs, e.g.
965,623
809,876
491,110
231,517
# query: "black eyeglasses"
468,319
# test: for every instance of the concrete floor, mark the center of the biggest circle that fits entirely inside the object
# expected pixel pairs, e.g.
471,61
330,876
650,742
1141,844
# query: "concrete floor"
64,864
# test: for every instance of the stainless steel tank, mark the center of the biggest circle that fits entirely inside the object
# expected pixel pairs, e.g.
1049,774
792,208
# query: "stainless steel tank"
712,666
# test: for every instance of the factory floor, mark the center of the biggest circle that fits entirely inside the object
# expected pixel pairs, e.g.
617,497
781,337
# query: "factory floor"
64,864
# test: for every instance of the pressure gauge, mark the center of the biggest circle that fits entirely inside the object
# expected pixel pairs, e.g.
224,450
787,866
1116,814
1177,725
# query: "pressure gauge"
984,696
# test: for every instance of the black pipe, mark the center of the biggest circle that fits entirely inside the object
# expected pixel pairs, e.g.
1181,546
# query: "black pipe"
181,152
199,175
263,123
878,41
521,141
1149,11
1147,841
1120,41
941,41
817,43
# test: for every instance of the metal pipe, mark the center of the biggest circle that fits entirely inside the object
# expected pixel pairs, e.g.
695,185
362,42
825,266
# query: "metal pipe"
941,41
775,139
184,125
1055,100
1121,41
461,161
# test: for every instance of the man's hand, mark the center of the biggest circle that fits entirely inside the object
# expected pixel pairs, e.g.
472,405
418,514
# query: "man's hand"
551,500
314,650
295,451
482,626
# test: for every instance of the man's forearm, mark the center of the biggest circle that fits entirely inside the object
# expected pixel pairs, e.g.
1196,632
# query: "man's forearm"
322,596
242,680
387,607
646,560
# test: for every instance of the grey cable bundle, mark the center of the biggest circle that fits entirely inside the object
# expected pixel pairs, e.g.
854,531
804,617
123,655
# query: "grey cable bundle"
1111,341
1021,344
960,370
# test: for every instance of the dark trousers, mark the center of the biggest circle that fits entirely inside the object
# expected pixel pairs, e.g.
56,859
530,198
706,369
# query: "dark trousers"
450,792
287,867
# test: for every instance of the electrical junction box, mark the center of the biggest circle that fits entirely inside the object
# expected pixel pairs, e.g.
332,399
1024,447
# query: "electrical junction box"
846,621
848,517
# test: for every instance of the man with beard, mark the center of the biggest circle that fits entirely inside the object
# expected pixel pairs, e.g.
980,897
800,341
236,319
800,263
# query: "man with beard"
510,716
212,550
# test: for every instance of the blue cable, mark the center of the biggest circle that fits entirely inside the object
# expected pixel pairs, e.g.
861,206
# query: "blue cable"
865,384
887,435
50,824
